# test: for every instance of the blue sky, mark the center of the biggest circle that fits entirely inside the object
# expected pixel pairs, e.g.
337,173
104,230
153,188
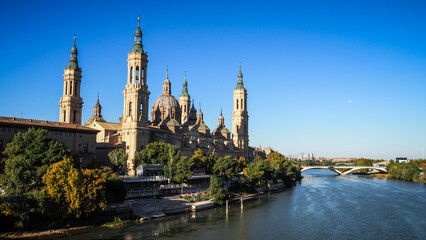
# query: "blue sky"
340,78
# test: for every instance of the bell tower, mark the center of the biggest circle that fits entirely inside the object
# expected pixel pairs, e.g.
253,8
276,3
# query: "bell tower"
184,101
135,131
240,117
71,104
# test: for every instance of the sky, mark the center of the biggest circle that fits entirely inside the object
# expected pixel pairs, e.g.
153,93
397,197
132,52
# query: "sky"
335,78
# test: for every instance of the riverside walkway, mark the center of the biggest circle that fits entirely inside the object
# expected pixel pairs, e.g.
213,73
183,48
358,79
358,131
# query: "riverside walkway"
348,169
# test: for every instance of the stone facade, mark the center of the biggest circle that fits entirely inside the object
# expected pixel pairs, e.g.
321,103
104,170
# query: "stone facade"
172,121
80,140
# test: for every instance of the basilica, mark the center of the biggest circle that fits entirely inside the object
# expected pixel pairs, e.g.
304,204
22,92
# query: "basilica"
172,121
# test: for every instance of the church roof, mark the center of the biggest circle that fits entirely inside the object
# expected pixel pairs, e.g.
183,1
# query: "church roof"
21,122
110,126
166,101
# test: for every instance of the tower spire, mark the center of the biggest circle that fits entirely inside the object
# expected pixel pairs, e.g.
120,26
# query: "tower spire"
137,45
240,84
184,86
73,63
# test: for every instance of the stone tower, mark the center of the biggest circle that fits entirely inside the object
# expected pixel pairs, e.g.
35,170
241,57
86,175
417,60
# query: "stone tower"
184,102
240,117
135,131
71,103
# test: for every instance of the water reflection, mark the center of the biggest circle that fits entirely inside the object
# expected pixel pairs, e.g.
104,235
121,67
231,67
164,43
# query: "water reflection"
322,206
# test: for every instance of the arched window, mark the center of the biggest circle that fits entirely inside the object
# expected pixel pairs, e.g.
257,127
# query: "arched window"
142,74
70,88
130,108
184,108
242,105
74,116
66,88
137,74
65,115
141,107
237,103
131,74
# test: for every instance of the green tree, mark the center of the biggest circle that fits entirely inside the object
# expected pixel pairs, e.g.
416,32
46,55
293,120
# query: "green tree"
257,174
226,167
118,158
200,159
170,167
183,170
115,188
211,160
157,153
27,158
242,163
216,190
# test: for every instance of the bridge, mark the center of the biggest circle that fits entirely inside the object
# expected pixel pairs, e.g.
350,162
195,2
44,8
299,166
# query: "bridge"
348,170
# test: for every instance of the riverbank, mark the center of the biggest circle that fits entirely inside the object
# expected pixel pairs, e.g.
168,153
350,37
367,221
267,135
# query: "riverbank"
142,210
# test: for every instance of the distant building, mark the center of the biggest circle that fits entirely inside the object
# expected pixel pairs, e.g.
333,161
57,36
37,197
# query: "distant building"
79,139
305,156
401,160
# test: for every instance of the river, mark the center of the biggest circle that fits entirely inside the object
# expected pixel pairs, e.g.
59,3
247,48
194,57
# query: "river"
322,206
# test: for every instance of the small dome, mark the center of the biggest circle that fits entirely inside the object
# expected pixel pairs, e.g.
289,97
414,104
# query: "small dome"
166,101
74,50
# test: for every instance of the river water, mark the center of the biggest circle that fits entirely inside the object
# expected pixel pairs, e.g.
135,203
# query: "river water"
322,206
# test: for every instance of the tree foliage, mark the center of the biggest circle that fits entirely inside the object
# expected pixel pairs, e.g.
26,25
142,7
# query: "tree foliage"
27,158
183,169
404,171
118,158
157,153
216,190
226,167
72,192
200,159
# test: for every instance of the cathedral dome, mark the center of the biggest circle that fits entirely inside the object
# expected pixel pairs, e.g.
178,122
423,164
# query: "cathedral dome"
166,101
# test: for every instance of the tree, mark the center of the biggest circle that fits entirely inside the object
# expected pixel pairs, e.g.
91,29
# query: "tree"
72,192
157,152
211,160
118,158
27,158
115,188
216,190
183,170
257,174
199,159
170,167
226,167
242,163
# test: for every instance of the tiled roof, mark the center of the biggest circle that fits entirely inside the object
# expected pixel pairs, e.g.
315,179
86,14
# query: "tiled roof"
110,125
11,121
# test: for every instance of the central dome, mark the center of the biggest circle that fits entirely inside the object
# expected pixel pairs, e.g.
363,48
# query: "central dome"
165,101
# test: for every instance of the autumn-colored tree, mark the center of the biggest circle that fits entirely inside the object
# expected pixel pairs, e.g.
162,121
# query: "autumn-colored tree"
72,192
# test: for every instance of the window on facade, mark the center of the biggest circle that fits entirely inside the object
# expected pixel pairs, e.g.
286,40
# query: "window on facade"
137,74
131,74
130,108
74,116
242,106
237,103
66,88
70,88
65,115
